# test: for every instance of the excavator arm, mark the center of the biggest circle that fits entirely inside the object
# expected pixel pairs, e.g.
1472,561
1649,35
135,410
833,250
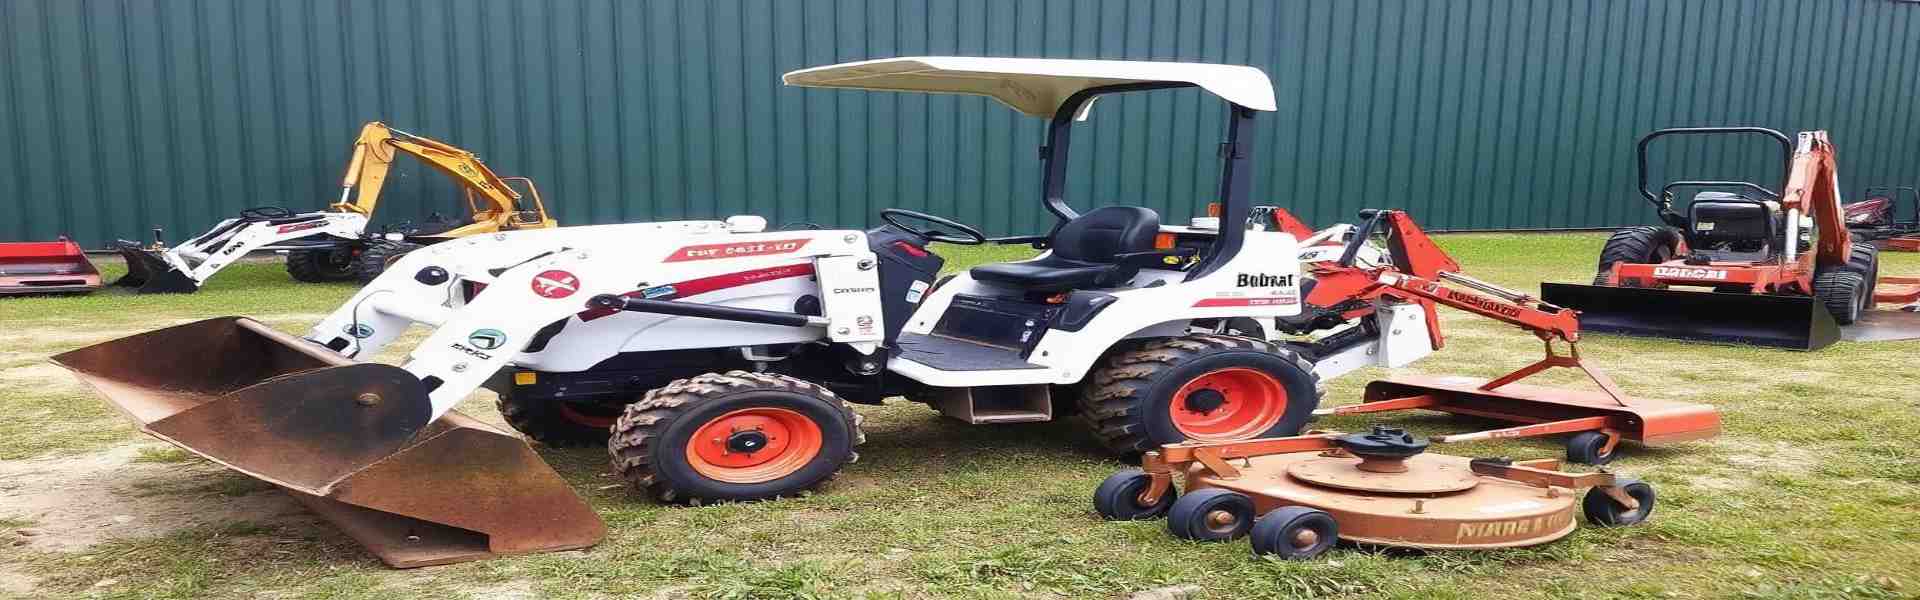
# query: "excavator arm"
492,203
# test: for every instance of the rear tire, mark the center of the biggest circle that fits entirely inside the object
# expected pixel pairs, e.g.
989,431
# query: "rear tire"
379,255
555,423
737,436
1840,290
1266,390
1865,259
321,266
1636,245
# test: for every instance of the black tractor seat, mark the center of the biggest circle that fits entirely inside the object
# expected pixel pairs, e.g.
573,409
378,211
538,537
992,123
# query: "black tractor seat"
1094,250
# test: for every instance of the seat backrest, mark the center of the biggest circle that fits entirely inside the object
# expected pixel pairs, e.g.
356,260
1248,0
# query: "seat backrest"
1104,232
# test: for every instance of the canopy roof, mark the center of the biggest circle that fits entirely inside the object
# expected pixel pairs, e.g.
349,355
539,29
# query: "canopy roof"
1035,86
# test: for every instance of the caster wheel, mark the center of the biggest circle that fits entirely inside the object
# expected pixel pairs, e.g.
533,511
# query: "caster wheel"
1589,448
1294,533
1118,498
1211,515
1602,511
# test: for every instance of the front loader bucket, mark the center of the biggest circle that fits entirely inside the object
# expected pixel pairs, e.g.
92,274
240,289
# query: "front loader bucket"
1794,322
148,273
57,267
352,441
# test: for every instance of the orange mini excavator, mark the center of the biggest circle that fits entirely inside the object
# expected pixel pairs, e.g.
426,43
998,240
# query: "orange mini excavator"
1744,264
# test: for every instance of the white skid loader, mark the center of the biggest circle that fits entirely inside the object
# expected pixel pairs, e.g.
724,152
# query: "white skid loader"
717,359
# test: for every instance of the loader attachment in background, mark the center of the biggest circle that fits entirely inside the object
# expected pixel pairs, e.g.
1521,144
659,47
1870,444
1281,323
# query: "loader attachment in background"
57,267
149,273
1798,323
353,441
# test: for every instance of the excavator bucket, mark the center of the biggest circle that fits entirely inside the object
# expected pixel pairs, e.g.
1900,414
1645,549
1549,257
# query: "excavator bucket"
57,267
148,273
352,441
1798,323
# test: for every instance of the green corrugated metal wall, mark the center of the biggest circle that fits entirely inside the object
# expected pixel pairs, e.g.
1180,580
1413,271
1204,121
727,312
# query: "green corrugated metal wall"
116,115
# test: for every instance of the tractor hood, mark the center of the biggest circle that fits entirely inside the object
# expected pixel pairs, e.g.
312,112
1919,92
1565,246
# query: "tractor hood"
1034,86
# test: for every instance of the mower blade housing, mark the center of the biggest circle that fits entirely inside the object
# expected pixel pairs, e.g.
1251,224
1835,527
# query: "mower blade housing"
353,441
57,267
149,273
1794,322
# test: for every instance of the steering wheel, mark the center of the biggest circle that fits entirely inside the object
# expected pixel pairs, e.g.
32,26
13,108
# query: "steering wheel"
968,236
262,213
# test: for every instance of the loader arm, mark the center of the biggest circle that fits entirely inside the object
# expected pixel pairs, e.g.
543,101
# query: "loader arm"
492,204
1813,189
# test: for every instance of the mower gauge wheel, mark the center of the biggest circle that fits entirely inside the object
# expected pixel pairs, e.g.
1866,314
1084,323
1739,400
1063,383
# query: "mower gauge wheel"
1118,498
1589,448
969,235
1294,533
1603,511
1211,515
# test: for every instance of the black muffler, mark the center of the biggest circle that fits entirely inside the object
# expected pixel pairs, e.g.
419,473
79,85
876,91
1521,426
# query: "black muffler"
1793,322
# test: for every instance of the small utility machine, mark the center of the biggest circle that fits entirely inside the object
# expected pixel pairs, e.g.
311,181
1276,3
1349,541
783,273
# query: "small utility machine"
56,267
1355,292
1744,264
1877,218
717,359
1295,497
333,244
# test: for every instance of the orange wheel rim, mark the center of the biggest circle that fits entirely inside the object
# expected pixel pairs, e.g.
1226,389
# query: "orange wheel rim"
754,445
1234,403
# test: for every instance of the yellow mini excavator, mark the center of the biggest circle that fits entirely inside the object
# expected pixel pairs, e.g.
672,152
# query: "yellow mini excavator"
334,244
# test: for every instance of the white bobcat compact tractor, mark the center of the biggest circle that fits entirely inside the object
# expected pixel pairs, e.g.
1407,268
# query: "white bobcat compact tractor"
721,358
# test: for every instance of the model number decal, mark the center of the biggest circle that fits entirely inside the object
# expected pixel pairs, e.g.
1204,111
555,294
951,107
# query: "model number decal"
1690,273
735,250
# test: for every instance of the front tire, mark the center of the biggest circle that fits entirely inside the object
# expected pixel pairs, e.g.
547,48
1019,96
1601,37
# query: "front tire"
1198,387
1636,245
321,266
736,436
1841,291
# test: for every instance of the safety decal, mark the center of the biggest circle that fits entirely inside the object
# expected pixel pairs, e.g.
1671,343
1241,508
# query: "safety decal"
555,284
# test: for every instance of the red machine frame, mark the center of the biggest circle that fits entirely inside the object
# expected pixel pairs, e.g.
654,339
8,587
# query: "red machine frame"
1420,273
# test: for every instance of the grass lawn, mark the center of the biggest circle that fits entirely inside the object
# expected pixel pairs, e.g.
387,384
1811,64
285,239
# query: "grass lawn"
1812,492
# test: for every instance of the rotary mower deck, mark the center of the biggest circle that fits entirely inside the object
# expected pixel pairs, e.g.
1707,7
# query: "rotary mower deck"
1378,488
